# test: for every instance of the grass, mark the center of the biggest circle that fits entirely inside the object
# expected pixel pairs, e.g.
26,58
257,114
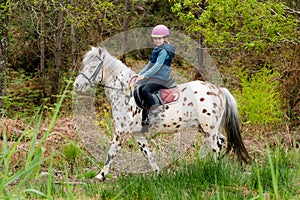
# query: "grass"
205,179
276,175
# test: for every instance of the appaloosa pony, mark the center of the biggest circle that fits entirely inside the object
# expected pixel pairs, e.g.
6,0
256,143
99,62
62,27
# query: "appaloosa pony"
201,104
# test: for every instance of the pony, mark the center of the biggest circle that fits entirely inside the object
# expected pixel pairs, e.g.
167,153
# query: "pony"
201,104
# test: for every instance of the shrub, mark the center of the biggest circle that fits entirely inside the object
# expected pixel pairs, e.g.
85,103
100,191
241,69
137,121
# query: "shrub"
259,96
23,95
71,153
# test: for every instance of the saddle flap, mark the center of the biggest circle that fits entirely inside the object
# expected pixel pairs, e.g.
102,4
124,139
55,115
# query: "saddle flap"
170,95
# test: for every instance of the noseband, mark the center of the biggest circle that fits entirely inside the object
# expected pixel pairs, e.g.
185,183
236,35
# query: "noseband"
93,77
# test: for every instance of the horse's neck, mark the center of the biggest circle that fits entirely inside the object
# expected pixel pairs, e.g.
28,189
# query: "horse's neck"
119,74
117,80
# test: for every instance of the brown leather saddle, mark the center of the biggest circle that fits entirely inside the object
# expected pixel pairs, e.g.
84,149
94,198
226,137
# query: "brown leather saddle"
162,97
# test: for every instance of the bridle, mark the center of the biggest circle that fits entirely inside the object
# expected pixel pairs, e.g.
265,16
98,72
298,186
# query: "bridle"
93,77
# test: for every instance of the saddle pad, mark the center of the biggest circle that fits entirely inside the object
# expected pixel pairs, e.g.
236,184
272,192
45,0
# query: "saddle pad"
170,95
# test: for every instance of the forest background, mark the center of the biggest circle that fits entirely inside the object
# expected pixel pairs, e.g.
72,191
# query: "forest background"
42,44
255,45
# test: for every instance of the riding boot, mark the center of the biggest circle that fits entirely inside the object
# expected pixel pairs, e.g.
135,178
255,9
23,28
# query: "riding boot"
145,118
153,113
145,121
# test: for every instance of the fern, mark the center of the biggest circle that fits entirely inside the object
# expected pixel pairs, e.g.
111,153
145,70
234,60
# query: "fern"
259,98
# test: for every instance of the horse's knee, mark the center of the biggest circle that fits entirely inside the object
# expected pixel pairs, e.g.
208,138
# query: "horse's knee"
213,141
220,141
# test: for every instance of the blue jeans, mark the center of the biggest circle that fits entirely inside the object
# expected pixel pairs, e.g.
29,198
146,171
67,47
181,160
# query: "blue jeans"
147,92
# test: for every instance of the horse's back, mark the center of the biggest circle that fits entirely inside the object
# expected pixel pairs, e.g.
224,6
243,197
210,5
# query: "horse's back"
206,99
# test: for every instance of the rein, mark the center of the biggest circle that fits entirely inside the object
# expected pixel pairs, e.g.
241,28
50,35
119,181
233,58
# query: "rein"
93,77
110,87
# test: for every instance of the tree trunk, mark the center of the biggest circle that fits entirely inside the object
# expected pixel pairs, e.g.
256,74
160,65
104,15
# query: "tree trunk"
73,38
42,50
58,56
3,52
125,38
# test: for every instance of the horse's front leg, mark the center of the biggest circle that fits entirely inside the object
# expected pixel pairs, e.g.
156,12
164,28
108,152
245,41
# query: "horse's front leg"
143,143
114,149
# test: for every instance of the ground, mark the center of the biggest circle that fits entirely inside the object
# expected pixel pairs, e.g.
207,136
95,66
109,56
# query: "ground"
255,138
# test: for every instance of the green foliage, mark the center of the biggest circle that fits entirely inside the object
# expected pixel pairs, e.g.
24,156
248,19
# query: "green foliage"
23,96
90,175
259,98
71,154
107,124
90,13
250,24
31,167
13,181
4,13
205,179
276,173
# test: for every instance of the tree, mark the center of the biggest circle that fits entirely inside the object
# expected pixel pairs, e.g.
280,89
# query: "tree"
55,78
4,14
42,76
246,24
73,38
253,34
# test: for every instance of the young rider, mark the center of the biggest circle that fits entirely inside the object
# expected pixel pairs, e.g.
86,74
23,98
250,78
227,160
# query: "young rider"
157,72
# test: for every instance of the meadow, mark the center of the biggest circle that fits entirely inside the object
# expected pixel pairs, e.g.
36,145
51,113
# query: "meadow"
68,172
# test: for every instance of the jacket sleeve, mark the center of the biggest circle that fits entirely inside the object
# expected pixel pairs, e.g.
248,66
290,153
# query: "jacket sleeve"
157,65
146,68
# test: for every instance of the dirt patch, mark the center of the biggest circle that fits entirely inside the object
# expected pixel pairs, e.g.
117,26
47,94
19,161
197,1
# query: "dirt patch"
64,130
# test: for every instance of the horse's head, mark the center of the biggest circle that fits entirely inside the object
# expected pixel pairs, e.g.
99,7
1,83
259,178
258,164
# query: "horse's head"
92,72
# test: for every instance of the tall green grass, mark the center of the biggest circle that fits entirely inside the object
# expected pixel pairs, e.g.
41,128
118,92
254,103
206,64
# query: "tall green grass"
276,175
13,182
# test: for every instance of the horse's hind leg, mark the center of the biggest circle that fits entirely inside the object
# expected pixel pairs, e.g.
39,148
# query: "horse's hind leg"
143,143
220,140
114,149
213,139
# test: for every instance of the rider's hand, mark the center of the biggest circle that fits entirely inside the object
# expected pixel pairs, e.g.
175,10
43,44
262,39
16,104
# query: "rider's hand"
141,77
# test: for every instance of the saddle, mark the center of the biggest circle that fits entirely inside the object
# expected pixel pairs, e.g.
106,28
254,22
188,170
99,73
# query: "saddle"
162,97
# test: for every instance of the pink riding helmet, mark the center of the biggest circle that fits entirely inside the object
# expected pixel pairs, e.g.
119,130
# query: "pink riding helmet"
160,31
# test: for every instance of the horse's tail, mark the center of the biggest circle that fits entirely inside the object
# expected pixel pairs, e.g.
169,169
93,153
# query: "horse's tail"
232,128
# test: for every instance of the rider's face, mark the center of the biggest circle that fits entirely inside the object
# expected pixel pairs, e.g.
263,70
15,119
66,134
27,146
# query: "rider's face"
157,41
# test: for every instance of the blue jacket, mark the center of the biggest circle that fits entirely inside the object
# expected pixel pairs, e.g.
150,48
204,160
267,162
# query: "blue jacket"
160,62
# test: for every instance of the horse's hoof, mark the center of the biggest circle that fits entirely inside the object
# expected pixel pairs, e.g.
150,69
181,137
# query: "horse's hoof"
100,177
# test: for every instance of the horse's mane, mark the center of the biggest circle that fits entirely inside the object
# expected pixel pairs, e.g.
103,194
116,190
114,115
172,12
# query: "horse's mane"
115,65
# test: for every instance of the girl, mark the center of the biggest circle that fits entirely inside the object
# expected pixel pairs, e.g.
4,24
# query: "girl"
157,72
